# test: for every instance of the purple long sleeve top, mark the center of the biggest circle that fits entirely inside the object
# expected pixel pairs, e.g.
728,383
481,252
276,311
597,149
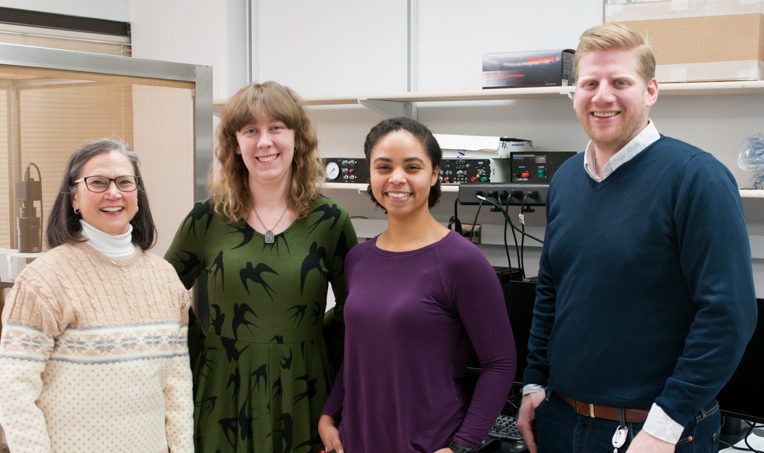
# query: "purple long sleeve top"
412,320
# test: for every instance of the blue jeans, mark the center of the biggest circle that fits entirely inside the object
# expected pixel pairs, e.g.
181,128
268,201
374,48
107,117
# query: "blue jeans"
562,430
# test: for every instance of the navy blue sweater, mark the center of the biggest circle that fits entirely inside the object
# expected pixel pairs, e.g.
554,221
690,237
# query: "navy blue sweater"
645,290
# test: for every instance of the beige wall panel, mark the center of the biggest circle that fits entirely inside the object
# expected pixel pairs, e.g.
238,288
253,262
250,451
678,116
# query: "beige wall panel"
164,140
6,187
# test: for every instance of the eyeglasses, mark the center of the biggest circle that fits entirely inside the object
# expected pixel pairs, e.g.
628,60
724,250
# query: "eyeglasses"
98,184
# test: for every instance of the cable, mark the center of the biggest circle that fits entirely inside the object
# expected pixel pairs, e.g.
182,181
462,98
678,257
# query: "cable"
522,240
748,434
508,219
531,194
506,245
745,439
514,228
480,197
472,233
454,220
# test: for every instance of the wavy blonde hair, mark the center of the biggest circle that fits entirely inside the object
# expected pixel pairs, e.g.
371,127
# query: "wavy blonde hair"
230,184
610,36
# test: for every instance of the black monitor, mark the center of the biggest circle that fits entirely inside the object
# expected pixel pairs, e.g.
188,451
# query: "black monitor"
743,396
519,297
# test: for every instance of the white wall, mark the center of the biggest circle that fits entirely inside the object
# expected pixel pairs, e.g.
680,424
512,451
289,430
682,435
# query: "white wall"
360,46
453,35
351,46
196,32
332,47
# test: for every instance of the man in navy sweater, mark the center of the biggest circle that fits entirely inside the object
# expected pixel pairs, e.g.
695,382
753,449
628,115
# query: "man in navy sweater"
645,298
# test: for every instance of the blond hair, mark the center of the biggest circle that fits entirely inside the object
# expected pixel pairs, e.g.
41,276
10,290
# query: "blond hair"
611,36
230,189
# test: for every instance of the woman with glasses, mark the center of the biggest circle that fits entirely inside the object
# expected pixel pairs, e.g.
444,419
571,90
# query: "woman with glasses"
267,245
94,352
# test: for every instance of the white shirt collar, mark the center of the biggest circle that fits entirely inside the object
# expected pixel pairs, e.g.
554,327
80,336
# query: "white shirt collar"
112,245
647,137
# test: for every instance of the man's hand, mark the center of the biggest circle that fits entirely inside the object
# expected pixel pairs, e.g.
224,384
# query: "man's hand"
526,418
330,436
646,443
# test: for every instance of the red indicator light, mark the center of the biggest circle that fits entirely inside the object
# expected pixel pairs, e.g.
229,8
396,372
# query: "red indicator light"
351,170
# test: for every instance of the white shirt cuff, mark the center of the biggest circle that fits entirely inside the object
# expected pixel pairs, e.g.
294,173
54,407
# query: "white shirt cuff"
532,388
659,424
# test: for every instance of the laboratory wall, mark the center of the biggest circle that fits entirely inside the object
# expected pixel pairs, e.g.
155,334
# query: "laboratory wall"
368,47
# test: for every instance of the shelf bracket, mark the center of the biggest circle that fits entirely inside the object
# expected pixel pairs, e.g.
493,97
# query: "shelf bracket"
390,109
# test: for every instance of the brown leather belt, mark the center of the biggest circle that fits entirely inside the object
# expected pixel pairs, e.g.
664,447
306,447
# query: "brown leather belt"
606,412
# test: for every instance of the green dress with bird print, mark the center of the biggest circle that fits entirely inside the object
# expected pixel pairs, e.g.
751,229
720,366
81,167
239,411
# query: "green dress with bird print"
262,372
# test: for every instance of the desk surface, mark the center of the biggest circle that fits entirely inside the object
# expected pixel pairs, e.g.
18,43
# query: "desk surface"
756,440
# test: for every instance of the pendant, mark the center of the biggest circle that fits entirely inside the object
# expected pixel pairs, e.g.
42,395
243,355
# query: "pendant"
619,438
124,271
269,239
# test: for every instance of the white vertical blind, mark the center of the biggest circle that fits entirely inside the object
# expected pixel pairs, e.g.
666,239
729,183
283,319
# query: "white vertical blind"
65,40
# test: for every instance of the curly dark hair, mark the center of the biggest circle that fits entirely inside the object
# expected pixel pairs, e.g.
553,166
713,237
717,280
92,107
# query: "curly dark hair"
421,133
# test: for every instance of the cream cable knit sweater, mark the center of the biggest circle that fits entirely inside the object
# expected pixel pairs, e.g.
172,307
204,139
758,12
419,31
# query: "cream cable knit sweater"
94,361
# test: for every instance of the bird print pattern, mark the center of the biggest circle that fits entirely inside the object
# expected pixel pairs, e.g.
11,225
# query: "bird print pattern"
264,373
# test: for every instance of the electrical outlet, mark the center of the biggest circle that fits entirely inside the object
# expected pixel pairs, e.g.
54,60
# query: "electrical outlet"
467,232
468,193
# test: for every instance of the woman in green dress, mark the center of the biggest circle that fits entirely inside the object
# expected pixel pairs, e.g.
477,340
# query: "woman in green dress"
267,245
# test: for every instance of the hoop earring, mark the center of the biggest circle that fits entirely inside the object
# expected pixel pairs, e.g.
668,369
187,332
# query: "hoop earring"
76,211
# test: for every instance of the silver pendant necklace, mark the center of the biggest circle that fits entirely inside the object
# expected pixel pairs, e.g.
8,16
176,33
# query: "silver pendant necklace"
123,267
269,236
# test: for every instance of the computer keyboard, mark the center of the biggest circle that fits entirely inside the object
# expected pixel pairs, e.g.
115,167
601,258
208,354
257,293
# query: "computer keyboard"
505,427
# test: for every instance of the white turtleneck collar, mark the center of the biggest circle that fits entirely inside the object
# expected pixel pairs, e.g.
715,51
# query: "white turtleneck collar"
115,246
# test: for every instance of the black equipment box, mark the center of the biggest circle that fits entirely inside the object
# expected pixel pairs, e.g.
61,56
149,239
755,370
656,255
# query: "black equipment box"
464,171
346,169
537,167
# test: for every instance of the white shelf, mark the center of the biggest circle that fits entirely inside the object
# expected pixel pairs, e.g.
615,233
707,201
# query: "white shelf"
363,186
503,94
744,193
751,193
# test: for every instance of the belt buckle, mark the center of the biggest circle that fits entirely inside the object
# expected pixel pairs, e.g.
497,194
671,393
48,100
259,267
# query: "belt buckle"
580,409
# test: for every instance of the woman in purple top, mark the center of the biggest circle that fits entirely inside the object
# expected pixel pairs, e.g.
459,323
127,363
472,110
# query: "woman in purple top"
420,299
